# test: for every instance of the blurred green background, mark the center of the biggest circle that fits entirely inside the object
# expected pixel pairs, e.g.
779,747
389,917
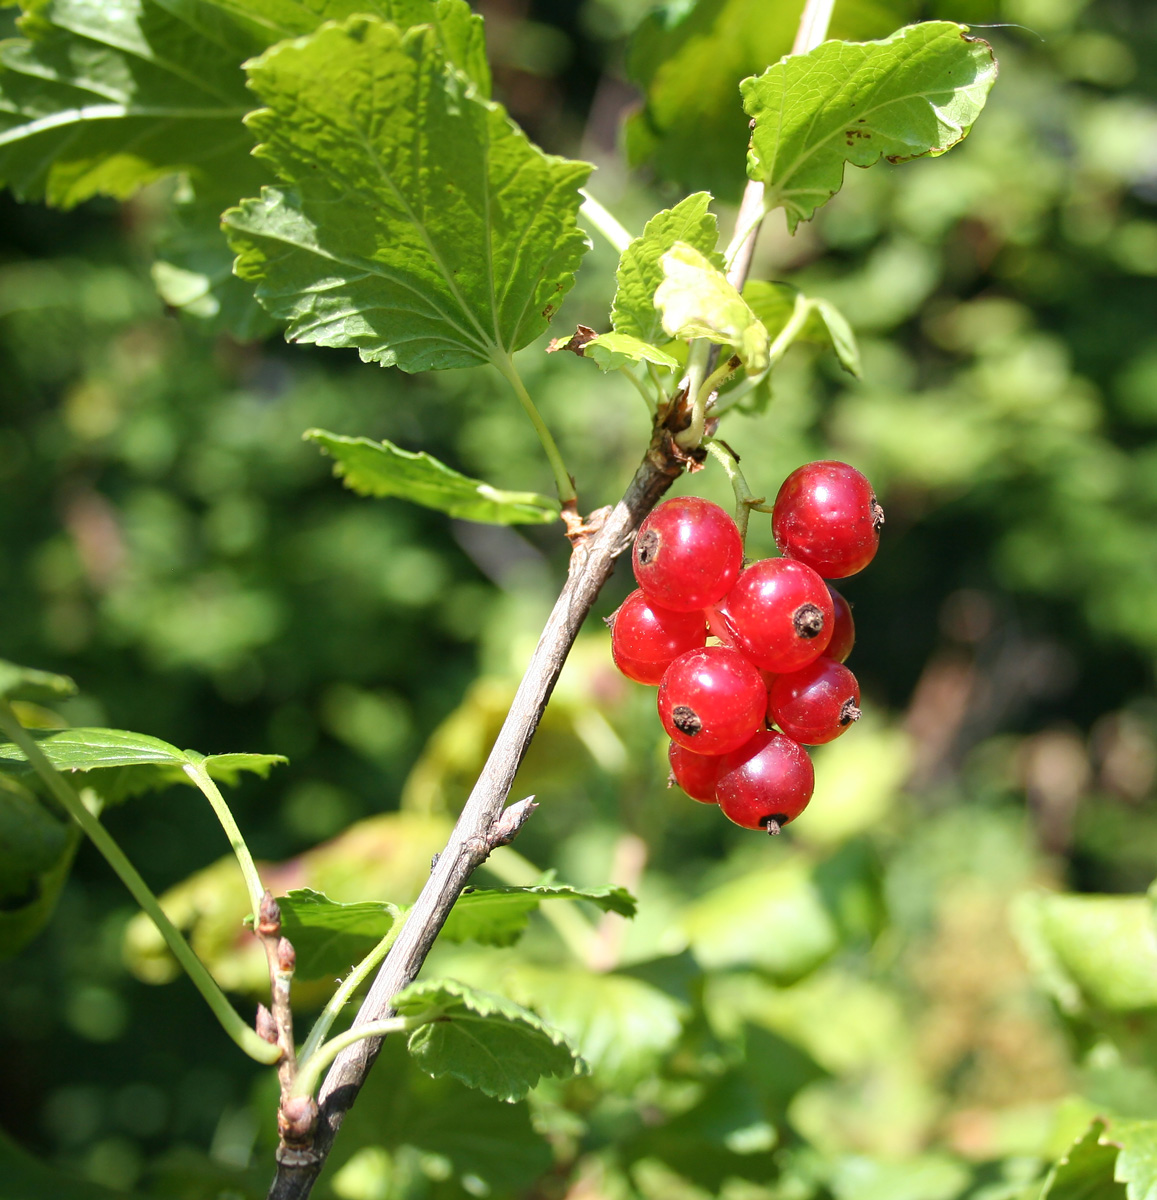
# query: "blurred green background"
881,1005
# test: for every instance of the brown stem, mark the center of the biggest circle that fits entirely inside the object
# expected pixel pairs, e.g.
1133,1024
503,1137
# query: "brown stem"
482,824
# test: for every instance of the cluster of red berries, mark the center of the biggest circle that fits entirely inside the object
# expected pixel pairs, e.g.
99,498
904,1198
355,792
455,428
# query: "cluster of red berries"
784,636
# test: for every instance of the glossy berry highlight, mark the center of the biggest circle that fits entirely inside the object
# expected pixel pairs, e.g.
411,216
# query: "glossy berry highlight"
780,613
766,783
694,773
712,700
646,639
827,516
687,554
817,704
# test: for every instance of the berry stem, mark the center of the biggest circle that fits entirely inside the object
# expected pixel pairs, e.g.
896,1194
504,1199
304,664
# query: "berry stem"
745,499
224,814
563,480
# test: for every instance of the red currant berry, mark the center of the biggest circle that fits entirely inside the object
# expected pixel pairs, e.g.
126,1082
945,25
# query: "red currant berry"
646,639
844,629
826,515
781,614
766,783
694,773
817,704
712,700
688,554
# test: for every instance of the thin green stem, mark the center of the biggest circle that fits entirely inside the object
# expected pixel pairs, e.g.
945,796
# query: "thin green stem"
575,932
234,1026
640,387
309,1072
212,793
745,499
716,380
562,478
605,222
794,327
698,359
341,997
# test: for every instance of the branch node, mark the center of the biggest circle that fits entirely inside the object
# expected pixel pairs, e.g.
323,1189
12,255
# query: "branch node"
510,821
266,1025
268,916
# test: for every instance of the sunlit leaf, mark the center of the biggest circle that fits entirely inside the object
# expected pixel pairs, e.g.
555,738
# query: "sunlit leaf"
1137,1162
498,916
1086,1171
775,303
915,93
614,350
696,300
641,272
486,1041
418,224
382,469
121,764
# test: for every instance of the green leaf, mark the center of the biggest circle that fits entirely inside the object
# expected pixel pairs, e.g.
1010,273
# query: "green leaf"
1098,950
104,98
688,57
915,93
25,683
383,469
774,919
1137,1162
498,916
122,764
696,300
614,350
486,1041
640,270
774,304
330,938
1086,1171
420,225
27,1178
23,917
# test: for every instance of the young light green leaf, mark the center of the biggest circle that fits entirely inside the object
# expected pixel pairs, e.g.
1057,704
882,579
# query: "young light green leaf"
1086,1172
498,916
696,300
119,764
329,937
486,1041
1137,1161
915,93
382,469
614,350
640,270
419,224
26,683
774,304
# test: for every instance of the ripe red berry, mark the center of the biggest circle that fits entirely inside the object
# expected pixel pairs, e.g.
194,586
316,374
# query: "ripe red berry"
817,704
826,515
844,629
688,554
766,783
712,700
781,614
646,639
694,773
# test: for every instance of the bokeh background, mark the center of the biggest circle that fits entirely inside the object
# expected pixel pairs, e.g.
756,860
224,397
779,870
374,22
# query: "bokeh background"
880,1004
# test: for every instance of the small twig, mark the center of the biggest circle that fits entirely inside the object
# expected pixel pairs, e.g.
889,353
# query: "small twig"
745,499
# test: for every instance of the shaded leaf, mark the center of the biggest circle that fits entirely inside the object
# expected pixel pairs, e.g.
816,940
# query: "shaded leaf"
640,270
26,683
27,1178
330,938
421,228
915,93
23,916
696,300
122,764
614,350
382,469
774,304
498,916
486,1041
